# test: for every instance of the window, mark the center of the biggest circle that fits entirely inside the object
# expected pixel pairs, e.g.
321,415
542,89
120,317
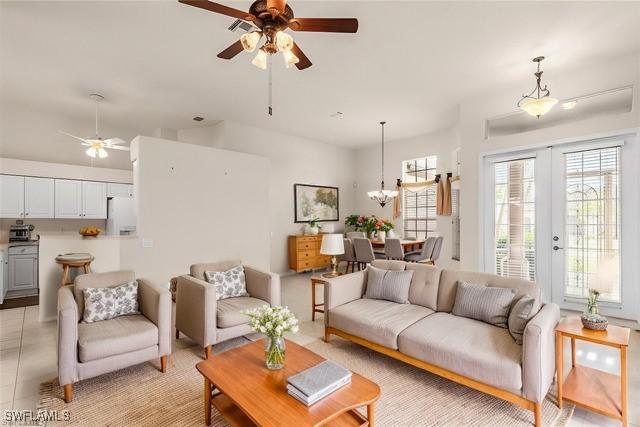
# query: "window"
592,223
419,208
514,237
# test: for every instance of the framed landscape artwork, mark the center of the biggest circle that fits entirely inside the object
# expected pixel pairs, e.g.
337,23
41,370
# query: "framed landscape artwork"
315,201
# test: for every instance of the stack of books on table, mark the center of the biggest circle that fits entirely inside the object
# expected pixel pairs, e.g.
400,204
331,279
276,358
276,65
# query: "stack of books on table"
311,385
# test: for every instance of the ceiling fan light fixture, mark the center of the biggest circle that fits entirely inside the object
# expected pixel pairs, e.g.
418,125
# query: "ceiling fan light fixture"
260,59
290,59
284,41
102,153
250,40
92,152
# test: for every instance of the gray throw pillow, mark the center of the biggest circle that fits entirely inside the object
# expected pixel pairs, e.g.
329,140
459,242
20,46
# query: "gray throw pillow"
109,303
388,285
523,310
485,303
228,284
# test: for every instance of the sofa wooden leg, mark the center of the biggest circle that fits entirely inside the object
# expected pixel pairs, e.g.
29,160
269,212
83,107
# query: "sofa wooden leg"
537,412
327,335
207,352
68,393
177,334
163,363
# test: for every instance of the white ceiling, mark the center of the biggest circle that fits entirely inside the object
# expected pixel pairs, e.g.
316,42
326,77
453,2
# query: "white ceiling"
410,63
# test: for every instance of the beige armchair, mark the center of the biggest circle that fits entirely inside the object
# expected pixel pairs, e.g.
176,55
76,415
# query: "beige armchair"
207,321
86,350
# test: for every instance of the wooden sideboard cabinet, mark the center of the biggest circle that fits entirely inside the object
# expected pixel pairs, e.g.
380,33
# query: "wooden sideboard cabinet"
304,253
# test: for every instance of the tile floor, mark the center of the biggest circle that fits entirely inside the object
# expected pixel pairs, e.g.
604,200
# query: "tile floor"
28,354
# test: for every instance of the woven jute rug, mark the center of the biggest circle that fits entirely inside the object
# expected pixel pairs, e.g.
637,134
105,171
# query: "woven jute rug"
143,396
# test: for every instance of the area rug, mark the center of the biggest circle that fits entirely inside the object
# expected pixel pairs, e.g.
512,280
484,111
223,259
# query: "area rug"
142,396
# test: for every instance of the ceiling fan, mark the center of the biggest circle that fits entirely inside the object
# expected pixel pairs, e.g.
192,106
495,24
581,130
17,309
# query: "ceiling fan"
272,18
98,146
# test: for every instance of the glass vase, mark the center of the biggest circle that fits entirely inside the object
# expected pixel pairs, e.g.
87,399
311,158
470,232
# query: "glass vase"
274,352
593,308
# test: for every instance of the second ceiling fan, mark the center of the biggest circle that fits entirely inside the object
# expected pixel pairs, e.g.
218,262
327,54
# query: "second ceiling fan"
272,18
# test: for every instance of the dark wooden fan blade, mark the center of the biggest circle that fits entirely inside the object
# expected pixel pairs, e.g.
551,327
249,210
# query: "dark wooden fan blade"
304,61
219,8
325,25
231,51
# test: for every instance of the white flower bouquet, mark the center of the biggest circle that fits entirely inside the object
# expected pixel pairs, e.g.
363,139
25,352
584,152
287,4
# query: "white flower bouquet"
273,322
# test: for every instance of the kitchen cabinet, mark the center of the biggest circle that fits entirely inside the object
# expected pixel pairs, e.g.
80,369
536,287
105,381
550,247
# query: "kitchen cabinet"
94,200
119,190
4,280
80,199
68,198
11,196
39,197
23,269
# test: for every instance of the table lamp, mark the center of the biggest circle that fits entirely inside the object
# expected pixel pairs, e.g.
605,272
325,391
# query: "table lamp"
332,244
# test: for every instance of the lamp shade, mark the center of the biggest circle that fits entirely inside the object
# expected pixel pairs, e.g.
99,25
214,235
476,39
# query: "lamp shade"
332,244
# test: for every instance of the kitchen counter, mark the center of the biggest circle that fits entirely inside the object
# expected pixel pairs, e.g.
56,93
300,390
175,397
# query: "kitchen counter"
105,249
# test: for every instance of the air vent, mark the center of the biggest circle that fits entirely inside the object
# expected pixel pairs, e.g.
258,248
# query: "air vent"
240,26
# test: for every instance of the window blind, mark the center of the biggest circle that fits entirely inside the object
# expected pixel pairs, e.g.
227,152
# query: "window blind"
419,208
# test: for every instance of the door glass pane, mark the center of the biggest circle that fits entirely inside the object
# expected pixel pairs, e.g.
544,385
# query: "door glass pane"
515,219
592,223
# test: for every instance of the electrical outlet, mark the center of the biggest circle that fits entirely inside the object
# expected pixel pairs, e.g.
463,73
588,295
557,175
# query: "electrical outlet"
147,243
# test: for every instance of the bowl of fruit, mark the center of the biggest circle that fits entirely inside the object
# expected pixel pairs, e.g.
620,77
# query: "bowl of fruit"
90,231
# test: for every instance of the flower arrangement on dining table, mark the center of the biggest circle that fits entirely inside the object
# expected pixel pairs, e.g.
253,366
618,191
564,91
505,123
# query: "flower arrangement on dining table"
273,322
368,224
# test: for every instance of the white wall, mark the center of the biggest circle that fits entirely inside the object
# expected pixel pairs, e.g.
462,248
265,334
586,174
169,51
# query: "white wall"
293,160
474,111
441,143
196,204
24,128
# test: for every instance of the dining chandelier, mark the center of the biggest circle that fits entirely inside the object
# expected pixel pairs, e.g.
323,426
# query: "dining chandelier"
382,196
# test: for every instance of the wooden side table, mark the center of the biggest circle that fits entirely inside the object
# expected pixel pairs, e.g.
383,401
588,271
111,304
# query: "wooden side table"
315,306
593,389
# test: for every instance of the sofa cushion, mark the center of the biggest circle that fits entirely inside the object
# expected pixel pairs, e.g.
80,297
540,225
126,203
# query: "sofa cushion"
449,282
467,347
197,270
378,321
388,285
485,303
115,336
522,311
424,285
229,310
230,283
98,280
108,303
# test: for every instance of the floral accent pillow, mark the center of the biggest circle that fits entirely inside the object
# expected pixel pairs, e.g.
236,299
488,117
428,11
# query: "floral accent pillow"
108,303
229,284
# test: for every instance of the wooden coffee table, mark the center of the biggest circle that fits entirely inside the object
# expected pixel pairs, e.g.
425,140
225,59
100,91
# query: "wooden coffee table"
246,393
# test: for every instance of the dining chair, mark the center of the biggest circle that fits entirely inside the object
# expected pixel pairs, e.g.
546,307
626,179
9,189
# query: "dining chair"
364,252
437,248
393,249
425,254
356,235
349,256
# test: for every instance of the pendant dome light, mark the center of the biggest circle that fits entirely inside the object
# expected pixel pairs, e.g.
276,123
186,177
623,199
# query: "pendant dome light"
538,102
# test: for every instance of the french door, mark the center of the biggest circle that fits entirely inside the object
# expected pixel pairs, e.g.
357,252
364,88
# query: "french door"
567,217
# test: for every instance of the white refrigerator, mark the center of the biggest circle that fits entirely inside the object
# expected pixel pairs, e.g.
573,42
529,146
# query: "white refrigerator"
121,216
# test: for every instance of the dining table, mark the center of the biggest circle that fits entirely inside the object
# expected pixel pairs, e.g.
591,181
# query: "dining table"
408,245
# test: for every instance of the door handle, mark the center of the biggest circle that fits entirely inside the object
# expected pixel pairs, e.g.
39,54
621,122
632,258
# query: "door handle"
556,248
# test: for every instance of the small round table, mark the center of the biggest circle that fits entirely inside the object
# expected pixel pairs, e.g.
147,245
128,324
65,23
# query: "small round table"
68,261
